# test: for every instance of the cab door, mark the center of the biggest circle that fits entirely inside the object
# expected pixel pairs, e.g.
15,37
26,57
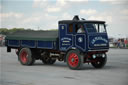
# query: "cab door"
80,37
65,37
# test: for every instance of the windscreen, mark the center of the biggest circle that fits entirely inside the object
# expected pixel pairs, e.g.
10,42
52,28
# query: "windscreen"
95,27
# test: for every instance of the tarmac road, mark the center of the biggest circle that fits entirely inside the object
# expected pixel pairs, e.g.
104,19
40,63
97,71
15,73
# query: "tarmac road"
114,73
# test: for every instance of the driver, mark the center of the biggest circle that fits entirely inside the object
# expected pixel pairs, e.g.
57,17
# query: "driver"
81,29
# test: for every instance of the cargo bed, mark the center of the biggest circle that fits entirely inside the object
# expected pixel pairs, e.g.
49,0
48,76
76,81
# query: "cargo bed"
32,39
33,35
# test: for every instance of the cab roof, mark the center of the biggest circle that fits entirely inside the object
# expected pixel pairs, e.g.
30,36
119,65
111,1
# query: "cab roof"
77,20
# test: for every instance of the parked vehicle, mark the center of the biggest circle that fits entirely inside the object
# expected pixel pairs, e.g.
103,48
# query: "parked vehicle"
88,45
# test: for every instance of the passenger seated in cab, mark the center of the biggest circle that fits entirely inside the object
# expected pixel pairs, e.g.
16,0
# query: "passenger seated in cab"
80,29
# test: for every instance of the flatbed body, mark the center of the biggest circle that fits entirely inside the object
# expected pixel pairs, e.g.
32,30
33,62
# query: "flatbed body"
33,39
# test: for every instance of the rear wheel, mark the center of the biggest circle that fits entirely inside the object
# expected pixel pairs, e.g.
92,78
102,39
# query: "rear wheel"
26,57
99,62
74,59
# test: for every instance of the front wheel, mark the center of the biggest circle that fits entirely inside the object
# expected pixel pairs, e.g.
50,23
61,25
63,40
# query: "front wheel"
99,62
74,59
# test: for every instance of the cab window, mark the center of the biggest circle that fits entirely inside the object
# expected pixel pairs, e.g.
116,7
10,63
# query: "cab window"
94,27
101,28
70,30
91,27
79,28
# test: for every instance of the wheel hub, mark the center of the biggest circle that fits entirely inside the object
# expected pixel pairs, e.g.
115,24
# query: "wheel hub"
73,60
23,56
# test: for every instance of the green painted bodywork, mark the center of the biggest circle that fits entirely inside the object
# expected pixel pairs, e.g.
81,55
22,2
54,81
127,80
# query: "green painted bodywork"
34,35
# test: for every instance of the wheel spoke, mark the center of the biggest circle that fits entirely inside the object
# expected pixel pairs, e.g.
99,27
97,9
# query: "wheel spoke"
73,60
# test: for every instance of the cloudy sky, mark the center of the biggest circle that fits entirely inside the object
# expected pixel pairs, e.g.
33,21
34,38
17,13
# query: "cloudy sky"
45,14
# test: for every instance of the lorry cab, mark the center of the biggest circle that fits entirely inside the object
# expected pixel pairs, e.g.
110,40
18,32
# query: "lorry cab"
84,35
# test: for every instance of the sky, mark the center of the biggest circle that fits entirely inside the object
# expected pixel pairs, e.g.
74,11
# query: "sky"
45,14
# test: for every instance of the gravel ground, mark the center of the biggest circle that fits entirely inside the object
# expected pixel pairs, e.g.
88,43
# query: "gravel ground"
114,73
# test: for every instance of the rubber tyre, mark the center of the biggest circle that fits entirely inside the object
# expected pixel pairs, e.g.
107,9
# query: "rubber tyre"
100,63
74,59
25,57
